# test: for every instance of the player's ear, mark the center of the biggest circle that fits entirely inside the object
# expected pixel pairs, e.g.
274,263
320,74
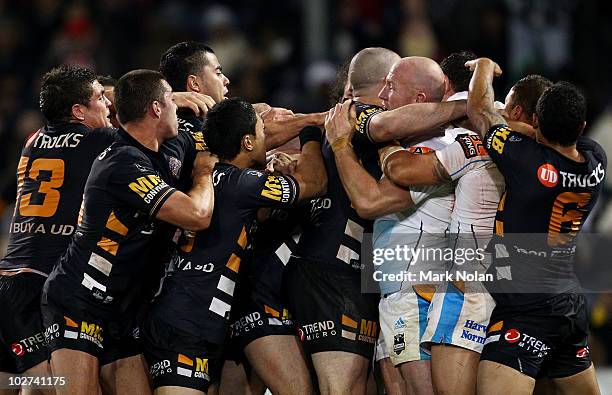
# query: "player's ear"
193,84
78,112
156,108
516,113
248,143
421,97
535,121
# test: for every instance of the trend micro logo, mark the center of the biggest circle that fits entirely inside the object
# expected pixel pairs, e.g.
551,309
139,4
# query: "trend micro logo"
512,335
201,367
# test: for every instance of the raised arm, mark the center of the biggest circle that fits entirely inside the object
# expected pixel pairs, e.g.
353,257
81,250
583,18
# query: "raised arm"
480,107
193,210
370,198
414,119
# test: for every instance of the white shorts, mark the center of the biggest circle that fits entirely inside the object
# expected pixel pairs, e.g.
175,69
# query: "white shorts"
381,351
458,315
403,320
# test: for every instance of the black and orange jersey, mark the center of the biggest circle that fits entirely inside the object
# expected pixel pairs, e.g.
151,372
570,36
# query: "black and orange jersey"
181,151
197,293
334,232
51,176
275,239
100,270
548,198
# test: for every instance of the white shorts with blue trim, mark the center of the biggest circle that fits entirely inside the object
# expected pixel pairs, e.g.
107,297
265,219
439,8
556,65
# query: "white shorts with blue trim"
403,320
458,315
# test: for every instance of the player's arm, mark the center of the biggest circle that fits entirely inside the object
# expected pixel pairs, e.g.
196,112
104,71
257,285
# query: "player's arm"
278,131
405,169
197,102
193,210
480,106
522,128
310,172
412,119
369,197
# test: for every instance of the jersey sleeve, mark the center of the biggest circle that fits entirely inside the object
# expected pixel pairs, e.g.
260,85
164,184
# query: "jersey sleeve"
466,153
135,182
509,150
266,190
364,113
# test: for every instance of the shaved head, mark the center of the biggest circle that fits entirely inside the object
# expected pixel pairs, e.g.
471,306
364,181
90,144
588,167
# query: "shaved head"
369,67
413,80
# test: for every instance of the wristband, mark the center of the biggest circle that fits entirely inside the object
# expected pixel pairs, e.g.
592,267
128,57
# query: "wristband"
310,133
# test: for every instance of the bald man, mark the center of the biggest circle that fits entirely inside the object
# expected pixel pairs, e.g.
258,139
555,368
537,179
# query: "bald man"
414,85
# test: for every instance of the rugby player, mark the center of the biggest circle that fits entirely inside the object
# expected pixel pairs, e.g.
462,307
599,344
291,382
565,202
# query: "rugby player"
51,175
205,268
539,325
460,311
410,80
337,322
126,191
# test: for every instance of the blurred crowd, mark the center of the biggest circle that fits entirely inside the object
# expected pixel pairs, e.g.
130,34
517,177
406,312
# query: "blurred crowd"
266,51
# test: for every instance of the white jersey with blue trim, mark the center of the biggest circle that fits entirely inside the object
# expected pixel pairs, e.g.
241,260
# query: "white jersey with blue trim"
479,183
421,226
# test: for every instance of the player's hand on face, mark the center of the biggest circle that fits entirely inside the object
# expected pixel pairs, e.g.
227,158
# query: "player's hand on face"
204,163
338,122
281,163
199,103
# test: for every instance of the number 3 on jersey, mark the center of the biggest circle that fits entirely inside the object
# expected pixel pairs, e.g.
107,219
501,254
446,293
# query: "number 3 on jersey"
49,183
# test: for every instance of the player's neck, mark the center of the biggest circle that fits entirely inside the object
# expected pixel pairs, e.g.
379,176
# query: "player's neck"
241,161
569,152
141,132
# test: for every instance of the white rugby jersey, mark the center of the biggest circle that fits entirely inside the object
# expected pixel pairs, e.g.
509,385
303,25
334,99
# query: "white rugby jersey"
421,226
479,183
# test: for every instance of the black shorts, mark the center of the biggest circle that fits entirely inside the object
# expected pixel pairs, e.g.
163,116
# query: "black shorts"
548,339
22,338
253,319
177,358
329,309
109,341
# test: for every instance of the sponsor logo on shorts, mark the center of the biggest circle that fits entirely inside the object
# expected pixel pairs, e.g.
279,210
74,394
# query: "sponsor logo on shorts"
368,330
512,336
583,352
470,326
186,367
398,343
527,342
33,343
85,330
548,175
18,349
318,330
246,324
399,324
160,368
